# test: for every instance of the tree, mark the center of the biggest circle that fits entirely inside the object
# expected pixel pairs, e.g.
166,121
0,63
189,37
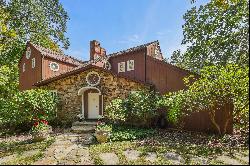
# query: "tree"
42,22
216,87
216,34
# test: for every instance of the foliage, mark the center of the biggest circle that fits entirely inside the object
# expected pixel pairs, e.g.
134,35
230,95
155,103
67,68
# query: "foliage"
41,22
8,82
216,34
173,102
116,111
122,133
216,87
139,108
28,105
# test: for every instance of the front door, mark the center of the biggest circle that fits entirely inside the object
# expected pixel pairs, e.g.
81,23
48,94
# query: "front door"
93,105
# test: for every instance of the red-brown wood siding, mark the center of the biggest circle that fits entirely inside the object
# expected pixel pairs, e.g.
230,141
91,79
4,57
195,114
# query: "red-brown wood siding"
139,64
30,75
165,77
47,72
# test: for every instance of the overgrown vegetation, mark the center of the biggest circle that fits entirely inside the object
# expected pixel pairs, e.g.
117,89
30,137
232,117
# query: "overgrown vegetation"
25,107
216,87
41,22
123,133
139,108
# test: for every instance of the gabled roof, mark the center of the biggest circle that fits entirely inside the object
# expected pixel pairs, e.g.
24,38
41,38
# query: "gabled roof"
133,49
82,68
58,56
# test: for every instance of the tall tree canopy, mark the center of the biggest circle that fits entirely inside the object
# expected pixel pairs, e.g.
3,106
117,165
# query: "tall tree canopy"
216,33
42,22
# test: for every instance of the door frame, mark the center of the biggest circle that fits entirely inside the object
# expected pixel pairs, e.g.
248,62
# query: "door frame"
84,92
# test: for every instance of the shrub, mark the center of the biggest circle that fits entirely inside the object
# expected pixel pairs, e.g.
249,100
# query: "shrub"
25,106
116,111
139,108
123,133
216,87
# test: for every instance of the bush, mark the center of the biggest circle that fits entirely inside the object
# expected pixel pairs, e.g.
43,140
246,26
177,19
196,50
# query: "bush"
123,133
139,108
25,106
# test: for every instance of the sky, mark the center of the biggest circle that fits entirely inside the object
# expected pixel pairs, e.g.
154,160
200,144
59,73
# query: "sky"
121,24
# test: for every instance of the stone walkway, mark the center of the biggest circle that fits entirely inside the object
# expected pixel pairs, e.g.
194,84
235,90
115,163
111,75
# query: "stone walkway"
68,149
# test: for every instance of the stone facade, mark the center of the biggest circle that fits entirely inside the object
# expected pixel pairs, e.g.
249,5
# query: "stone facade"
70,103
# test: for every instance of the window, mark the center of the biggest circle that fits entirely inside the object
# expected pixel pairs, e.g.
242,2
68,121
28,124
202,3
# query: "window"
54,66
33,62
121,67
28,53
23,67
130,65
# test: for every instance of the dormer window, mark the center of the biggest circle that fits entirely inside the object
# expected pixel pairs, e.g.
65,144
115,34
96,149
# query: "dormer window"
23,67
33,62
54,66
28,53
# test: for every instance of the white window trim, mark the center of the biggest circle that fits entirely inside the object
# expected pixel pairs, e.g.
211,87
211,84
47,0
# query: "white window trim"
119,69
133,67
23,67
33,62
50,65
28,53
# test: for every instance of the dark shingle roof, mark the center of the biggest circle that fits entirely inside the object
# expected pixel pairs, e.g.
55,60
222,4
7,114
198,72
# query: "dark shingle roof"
58,56
133,49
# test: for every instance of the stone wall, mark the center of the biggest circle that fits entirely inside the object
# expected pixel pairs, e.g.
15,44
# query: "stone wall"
67,88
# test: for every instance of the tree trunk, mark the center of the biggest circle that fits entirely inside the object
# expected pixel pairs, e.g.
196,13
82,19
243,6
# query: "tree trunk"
212,117
228,117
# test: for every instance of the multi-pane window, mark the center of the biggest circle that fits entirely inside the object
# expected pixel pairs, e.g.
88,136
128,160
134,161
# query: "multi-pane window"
23,67
33,62
54,66
130,65
121,67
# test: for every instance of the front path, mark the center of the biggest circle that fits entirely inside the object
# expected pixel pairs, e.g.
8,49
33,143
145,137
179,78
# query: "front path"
69,148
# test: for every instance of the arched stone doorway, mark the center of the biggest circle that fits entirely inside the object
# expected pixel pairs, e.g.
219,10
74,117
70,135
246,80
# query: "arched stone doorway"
92,102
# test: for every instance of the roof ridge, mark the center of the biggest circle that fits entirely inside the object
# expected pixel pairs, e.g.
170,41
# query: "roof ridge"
41,48
133,48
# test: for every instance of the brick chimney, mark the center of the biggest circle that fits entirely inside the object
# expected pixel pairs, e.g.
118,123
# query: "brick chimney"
96,50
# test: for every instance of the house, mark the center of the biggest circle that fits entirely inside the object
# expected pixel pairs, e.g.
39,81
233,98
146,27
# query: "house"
86,87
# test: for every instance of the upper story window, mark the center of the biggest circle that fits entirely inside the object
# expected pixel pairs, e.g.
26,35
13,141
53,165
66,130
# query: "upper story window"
33,62
130,65
54,66
28,53
121,67
23,67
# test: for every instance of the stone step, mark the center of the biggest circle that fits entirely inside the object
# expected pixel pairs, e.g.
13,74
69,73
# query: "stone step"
83,129
84,123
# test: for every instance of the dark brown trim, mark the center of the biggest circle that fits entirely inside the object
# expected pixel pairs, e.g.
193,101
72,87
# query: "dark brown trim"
100,104
86,101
